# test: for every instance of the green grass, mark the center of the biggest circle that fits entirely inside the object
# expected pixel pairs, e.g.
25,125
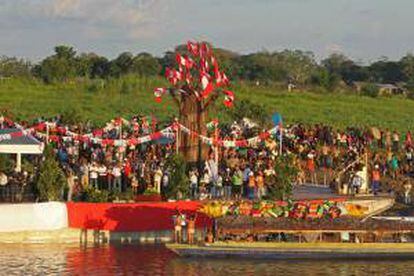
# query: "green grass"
102,101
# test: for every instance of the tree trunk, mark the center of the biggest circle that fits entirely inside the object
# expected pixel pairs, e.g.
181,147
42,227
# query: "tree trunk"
194,118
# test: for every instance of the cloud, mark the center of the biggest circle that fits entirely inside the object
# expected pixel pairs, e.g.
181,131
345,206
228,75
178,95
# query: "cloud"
333,48
135,17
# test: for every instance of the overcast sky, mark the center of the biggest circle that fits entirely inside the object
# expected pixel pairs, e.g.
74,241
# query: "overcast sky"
362,29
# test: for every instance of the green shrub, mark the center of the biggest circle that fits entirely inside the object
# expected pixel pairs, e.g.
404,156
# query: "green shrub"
370,90
280,185
51,180
179,183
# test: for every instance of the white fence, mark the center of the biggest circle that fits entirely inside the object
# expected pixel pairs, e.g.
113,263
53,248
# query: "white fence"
33,217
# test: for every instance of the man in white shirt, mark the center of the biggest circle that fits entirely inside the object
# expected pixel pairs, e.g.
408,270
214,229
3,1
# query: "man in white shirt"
93,175
117,181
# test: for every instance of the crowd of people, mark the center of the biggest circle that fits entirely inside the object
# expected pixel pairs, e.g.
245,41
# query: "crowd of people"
319,154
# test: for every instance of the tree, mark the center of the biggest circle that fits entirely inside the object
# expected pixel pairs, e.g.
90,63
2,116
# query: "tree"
60,66
13,67
385,71
122,65
407,64
280,185
326,79
195,85
179,183
145,65
51,179
299,65
346,69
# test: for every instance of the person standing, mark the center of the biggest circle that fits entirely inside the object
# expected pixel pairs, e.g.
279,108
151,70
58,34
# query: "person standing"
70,178
237,181
251,186
310,164
193,184
178,225
376,178
93,175
191,223
227,184
102,174
261,191
157,179
407,192
117,178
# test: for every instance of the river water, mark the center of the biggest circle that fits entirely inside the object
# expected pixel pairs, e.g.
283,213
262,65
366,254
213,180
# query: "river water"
156,260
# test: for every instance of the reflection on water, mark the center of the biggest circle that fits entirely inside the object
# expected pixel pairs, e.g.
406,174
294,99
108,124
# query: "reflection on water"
156,260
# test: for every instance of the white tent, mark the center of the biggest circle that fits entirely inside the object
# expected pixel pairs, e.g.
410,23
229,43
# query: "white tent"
24,144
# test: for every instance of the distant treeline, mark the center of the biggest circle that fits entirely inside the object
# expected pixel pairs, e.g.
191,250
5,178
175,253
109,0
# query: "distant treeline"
299,68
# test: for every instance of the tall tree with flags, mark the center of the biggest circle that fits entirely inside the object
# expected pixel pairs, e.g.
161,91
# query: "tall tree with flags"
196,82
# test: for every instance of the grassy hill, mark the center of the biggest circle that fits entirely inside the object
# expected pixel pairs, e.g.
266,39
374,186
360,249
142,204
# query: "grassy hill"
101,101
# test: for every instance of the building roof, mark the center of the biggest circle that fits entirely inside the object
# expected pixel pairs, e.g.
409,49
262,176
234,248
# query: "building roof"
25,144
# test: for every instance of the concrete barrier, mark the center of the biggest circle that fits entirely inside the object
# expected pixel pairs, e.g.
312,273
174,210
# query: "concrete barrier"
33,217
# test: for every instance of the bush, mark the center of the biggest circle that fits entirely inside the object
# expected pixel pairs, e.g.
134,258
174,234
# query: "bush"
6,164
410,95
72,115
247,109
179,183
51,179
90,194
370,90
280,185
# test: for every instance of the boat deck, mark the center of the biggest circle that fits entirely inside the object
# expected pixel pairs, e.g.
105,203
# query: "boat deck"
295,250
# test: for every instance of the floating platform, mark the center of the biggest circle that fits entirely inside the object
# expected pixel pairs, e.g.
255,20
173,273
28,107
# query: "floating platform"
258,250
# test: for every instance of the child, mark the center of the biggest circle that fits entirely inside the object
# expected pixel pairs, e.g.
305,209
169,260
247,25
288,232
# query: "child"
191,228
178,227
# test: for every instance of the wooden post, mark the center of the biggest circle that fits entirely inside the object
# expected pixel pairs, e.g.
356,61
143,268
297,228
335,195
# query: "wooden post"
18,162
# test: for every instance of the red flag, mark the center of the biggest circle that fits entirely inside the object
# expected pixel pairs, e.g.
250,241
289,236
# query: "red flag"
229,98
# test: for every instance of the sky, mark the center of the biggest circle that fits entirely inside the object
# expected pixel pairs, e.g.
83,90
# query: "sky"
365,30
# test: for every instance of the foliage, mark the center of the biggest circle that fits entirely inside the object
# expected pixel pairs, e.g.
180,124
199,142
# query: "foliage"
148,192
51,179
72,115
326,79
247,109
14,67
370,90
179,183
90,194
26,99
6,164
280,185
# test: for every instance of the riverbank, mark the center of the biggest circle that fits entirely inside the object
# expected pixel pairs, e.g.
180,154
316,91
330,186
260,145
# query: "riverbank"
295,250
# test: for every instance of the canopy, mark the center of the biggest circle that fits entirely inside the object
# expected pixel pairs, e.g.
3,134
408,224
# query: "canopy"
19,143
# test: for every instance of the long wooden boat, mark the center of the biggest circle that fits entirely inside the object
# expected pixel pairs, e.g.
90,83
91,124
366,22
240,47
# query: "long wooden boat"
296,250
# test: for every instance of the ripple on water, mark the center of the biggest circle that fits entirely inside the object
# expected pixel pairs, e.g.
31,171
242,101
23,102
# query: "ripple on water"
156,260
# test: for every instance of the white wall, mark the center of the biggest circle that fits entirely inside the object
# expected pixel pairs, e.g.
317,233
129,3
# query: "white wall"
33,217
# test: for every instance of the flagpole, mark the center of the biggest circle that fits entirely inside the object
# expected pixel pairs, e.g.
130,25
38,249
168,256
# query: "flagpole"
47,133
177,136
280,139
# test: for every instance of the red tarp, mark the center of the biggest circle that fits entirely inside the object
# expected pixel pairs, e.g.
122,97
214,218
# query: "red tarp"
122,217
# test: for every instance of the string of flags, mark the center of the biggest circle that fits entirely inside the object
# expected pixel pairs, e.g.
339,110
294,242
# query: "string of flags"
65,135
